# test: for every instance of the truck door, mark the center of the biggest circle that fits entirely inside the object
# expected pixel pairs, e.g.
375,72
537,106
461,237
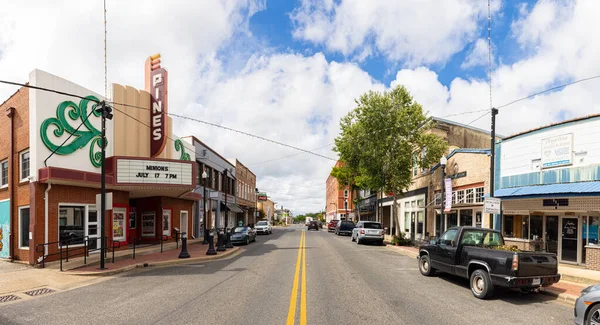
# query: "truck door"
445,250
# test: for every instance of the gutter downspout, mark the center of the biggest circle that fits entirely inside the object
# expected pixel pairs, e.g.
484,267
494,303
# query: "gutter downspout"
46,200
10,112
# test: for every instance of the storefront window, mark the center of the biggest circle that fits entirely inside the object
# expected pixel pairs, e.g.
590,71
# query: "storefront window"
536,228
509,226
71,224
466,217
452,219
592,232
406,221
525,227
420,215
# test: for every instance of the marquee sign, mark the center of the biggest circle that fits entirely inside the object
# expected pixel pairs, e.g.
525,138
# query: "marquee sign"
158,112
130,171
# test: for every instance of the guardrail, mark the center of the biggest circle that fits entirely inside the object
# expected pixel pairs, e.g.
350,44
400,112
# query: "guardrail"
81,248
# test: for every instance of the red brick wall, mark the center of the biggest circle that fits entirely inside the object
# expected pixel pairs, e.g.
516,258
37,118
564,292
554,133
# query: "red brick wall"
20,102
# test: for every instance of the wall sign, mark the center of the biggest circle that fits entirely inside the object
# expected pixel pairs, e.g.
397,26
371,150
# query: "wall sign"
158,89
448,189
458,175
262,196
557,151
153,172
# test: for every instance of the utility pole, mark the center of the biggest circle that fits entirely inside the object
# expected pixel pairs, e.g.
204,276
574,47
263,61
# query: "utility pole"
106,114
492,158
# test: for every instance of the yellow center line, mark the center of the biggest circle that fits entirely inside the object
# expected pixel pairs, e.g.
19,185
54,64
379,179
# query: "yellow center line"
303,292
292,311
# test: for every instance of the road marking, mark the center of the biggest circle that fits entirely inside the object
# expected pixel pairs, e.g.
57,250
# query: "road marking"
303,292
292,310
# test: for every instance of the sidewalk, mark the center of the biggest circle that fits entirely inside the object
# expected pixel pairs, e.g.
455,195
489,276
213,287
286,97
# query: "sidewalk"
573,280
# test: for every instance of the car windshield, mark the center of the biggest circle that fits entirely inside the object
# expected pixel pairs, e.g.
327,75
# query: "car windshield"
240,229
372,225
261,223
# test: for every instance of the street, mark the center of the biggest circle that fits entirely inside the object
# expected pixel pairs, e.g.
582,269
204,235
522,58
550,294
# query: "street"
344,284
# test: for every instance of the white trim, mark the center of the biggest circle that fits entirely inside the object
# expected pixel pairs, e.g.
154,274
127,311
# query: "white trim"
20,228
26,179
1,176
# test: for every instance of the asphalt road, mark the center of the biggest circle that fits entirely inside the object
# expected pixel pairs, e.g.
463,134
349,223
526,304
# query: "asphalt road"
345,284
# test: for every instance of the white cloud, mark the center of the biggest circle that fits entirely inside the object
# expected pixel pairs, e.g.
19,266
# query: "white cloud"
478,55
418,32
564,51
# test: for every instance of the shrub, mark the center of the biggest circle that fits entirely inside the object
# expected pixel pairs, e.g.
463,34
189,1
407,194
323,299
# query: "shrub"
401,240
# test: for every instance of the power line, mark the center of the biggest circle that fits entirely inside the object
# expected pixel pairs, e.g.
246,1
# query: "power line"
27,85
319,188
289,156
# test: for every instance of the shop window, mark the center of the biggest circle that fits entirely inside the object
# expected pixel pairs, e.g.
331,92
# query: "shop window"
536,228
24,159
4,173
525,227
406,221
469,196
71,226
592,231
479,195
24,227
466,217
420,218
452,219
508,226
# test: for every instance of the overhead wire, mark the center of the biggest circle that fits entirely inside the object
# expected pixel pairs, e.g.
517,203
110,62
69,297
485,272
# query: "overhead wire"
289,156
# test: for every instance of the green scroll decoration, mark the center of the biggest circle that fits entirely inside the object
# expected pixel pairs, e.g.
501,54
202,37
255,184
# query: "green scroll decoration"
86,133
180,147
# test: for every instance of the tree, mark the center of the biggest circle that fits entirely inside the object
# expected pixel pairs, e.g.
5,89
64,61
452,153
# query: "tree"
383,138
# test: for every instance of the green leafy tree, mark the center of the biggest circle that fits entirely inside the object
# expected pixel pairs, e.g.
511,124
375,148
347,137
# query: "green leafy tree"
383,138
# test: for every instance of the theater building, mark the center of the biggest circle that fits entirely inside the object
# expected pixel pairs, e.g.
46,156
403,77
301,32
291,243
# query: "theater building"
50,159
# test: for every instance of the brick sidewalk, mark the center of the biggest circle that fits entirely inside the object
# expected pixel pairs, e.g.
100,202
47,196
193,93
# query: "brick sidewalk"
197,253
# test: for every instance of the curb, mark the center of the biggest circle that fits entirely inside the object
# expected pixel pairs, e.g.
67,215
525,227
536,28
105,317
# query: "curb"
230,253
401,251
565,297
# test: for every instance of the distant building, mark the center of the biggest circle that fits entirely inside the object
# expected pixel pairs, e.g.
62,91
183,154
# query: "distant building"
267,208
339,200
246,192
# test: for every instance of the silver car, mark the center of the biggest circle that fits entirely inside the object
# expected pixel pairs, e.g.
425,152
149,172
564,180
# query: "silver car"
263,227
368,231
587,306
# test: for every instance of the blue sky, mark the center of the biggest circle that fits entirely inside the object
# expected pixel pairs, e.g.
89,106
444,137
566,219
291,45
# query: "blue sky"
274,27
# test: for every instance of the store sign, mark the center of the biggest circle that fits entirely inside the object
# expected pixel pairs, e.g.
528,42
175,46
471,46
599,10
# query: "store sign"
458,175
158,89
557,151
491,205
262,196
448,189
133,171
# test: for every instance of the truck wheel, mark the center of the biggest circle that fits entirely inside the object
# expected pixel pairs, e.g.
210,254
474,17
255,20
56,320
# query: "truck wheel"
425,266
526,289
481,284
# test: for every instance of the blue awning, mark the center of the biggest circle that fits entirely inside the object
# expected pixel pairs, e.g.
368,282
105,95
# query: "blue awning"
550,189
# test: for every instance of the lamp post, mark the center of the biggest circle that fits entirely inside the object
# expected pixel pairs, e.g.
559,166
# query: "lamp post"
106,114
227,229
204,221
443,162
221,234
256,204
346,207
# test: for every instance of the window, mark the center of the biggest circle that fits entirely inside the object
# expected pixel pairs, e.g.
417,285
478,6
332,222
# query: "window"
460,196
345,193
508,226
453,197
24,227
469,196
448,237
24,165
71,224
466,217
406,221
438,198
415,164
479,195
346,205
481,238
4,172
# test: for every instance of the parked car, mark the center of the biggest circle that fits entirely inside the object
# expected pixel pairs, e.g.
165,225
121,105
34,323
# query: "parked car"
320,224
313,225
368,231
474,253
263,227
243,235
331,225
587,306
344,227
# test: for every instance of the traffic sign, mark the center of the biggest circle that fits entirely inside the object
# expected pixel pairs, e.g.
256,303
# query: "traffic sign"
491,205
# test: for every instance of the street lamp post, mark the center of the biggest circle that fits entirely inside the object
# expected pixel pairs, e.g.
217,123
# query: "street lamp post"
221,234
443,162
227,228
205,218
346,207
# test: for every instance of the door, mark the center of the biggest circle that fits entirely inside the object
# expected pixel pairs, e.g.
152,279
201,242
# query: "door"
4,229
93,229
569,228
445,249
183,222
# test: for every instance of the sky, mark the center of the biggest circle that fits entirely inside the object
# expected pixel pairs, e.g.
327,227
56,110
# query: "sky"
288,70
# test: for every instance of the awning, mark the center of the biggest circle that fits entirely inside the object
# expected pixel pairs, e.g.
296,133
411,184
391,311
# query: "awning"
578,188
233,207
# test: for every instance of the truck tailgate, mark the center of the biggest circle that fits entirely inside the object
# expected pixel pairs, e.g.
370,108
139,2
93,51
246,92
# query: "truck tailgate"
537,264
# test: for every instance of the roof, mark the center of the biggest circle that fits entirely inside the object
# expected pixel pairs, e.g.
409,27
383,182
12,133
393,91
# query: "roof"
466,126
208,148
561,188
577,119
464,150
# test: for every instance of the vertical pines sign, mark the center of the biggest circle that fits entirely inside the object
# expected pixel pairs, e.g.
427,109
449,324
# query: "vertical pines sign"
156,85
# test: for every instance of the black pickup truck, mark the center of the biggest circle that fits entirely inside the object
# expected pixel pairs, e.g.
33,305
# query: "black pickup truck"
469,252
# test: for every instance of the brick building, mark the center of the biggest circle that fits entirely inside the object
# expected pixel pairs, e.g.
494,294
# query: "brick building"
267,208
339,201
246,192
48,190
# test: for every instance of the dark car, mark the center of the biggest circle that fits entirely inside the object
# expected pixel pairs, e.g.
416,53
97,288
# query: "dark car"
344,227
243,235
476,254
313,225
